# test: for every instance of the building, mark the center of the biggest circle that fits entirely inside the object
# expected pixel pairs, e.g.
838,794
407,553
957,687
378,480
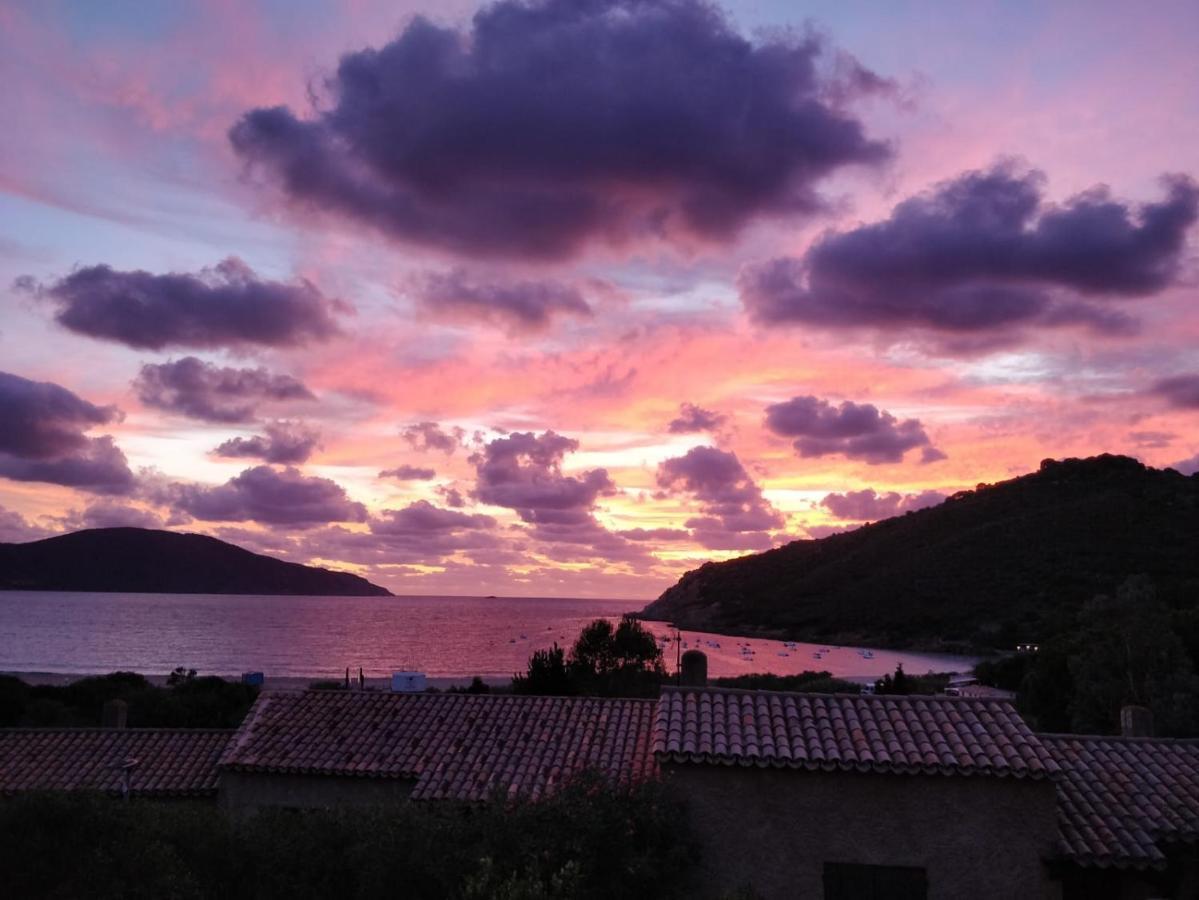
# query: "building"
844,796
796,795
1128,813
321,748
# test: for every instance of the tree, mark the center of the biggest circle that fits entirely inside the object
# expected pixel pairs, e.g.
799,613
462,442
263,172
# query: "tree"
1127,652
606,661
1122,650
546,674
899,683
624,661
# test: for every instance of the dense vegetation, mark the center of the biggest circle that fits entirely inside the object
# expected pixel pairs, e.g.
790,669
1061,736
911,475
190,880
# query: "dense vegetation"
587,841
605,661
187,701
163,562
989,568
1128,648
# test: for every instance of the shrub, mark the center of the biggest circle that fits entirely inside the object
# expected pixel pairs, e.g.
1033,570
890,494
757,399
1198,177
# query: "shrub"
586,842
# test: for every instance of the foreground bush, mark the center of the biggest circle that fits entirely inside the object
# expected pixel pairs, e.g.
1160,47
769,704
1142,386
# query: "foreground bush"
586,842
186,701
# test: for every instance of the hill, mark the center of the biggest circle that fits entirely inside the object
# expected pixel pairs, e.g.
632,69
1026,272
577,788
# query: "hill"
1004,563
145,561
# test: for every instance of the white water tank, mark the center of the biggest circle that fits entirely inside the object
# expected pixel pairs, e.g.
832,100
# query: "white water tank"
408,682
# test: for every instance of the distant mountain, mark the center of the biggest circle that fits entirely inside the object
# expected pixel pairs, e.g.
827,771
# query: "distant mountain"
989,567
144,561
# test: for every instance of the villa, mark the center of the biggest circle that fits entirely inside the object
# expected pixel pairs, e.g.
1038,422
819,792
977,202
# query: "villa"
796,795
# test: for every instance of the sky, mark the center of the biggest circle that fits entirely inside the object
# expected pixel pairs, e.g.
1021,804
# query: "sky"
567,298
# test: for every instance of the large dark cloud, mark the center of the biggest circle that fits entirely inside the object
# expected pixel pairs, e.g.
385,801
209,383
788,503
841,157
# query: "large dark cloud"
735,514
981,253
1181,391
854,430
1188,466
272,497
43,438
868,505
284,443
520,305
226,305
523,472
211,393
552,123
692,418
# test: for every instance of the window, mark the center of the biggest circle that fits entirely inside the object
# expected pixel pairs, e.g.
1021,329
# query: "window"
846,881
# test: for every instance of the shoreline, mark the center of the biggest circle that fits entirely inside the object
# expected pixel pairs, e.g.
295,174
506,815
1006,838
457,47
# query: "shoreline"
275,683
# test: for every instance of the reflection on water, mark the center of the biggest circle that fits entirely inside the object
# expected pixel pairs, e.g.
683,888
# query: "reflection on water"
78,633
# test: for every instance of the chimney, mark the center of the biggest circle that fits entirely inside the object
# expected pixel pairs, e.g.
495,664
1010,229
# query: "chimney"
114,714
695,669
1136,721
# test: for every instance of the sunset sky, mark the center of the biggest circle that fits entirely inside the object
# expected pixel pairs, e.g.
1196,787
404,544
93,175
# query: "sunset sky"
565,298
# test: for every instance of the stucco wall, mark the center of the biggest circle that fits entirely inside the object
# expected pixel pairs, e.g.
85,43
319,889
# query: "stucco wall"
773,829
247,791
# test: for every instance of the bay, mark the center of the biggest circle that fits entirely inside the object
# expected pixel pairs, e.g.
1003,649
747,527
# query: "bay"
319,637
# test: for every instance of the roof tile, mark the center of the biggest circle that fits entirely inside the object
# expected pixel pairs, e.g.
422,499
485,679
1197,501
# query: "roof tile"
908,734
1121,797
169,762
455,746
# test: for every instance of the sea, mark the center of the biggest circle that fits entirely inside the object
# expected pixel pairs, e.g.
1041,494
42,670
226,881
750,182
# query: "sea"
320,637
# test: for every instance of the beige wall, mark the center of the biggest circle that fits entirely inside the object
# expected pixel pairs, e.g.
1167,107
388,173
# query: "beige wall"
773,829
249,791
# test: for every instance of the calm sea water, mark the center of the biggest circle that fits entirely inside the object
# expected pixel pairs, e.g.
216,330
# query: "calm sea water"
78,633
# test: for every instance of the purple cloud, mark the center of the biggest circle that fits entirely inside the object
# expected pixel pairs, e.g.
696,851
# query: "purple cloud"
108,514
16,529
659,119
409,473
521,305
1181,391
523,472
262,494
692,418
735,514
431,436
423,518
854,430
284,443
1187,466
43,438
867,505
201,390
451,495
983,252
224,306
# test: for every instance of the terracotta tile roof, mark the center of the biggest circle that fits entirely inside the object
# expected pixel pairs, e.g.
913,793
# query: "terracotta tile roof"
455,746
1122,797
169,761
903,734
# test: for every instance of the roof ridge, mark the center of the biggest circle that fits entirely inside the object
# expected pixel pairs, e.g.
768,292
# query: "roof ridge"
938,698
94,729
425,694
1120,738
